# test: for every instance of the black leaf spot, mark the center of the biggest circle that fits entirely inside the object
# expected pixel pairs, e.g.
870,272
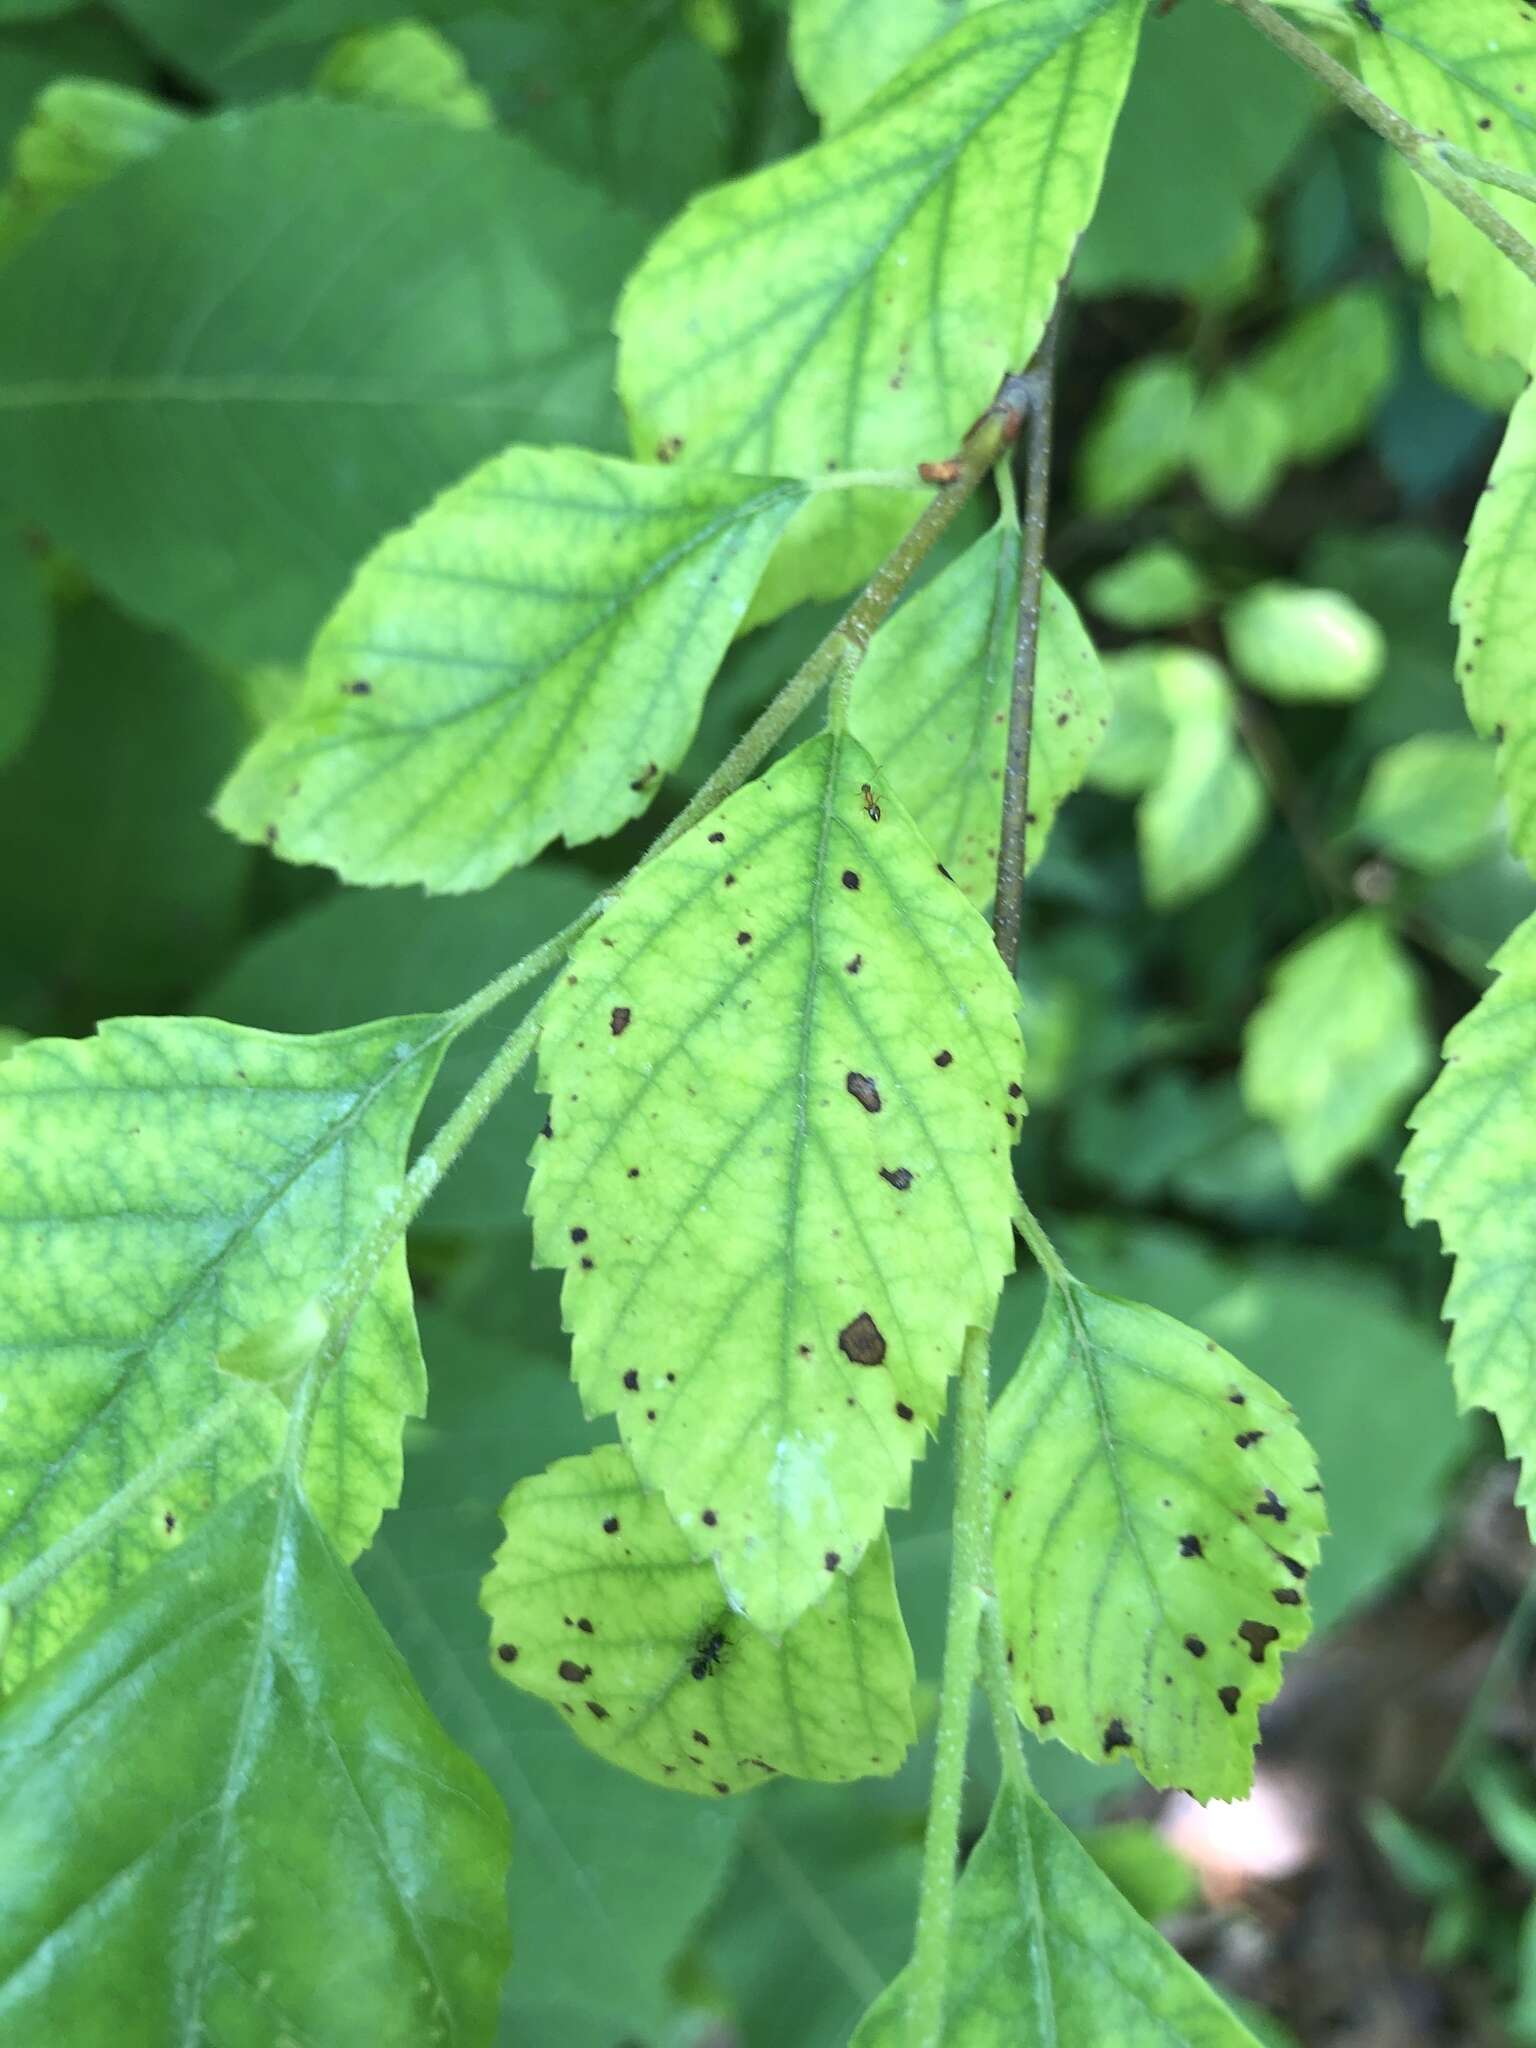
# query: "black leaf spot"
1287,1596
507,1652
943,1059
1247,1438
1116,1736
1190,1546
598,1713
861,1342
611,1526
578,1235
709,1518
898,1176
903,1411
1271,1505
864,1092
1258,1635
574,1674
618,1023
1044,1715
850,879
832,1560
1229,1695
632,1381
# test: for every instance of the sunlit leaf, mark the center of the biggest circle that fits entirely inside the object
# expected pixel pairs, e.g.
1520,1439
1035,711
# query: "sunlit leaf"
407,64
1138,440
521,663
845,50
931,704
1157,1516
1304,645
229,1816
1153,586
855,306
1469,1169
1336,1046
1464,73
1044,1948
1206,806
1329,368
782,1079
598,1607
168,1188
1495,607
1238,442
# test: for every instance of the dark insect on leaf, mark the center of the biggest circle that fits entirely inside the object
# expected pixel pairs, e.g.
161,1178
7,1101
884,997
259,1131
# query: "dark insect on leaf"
708,1652
1368,15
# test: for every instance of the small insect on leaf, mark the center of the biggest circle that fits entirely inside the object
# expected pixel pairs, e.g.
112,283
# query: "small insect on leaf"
870,804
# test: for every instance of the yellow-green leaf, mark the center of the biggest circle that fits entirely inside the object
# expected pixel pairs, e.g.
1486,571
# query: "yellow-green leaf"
1157,1516
783,1074
598,1606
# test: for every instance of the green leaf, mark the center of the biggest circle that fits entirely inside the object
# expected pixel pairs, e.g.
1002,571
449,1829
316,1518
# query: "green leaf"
1044,1948
1495,608
1468,1169
1304,645
598,1607
1238,443
1431,802
81,132
361,954
1329,369
844,50
854,306
1212,119
405,64
782,1064
1493,383
1144,1867
1158,1513
1134,752
169,1187
1440,63
1336,1046
606,1864
304,296
131,891
1153,586
1207,806
521,663
931,703
28,644
230,1816
1138,441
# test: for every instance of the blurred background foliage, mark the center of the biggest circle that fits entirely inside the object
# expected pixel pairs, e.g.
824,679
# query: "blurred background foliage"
1243,948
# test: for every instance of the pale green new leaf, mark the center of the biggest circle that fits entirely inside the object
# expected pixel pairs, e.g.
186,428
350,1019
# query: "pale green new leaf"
855,306
1495,608
1304,645
1329,369
1138,440
1134,752
80,133
1467,73
229,1816
1432,801
598,1606
521,663
1045,1949
1207,806
843,51
783,1080
931,704
1153,586
406,64
1238,442
1336,1047
167,1189
1157,1516
1469,1168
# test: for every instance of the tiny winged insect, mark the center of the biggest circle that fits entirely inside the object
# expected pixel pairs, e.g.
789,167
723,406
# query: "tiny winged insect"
708,1653
870,803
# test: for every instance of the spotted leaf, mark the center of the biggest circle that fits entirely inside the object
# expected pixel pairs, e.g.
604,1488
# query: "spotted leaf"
1158,1514
783,1074
598,1606
521,663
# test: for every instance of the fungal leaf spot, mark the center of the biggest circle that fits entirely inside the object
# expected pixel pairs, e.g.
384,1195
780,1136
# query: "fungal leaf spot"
784,1118
674,1675
1155,1555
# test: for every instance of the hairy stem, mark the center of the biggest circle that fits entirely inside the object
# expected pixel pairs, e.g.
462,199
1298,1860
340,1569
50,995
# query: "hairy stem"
936,1902
1012,844
1434,162
1484,172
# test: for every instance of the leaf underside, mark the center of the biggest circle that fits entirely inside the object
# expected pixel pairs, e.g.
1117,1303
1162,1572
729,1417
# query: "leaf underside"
167,1188
1157,1516
229,1816
1045,1949
783,1090
524,662
931,704
1470,1167
597,1606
